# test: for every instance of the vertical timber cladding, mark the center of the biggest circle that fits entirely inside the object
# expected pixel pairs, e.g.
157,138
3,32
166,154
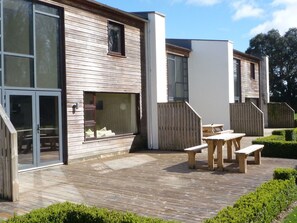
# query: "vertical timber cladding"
89,68
249,86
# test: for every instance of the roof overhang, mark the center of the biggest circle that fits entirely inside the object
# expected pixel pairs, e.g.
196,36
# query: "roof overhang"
177,50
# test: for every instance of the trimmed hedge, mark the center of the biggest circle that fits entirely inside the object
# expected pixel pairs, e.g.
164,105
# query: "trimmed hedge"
264,204
276,145
77,213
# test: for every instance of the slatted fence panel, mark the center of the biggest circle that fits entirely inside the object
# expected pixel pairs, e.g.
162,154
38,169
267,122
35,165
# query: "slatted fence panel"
179,126
247,118
9,184
280,115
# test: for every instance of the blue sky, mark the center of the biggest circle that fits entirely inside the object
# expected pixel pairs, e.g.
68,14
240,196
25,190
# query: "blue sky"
234,20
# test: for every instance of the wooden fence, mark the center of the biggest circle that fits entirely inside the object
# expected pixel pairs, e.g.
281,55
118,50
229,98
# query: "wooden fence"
9,184
247,118
179,126
280,115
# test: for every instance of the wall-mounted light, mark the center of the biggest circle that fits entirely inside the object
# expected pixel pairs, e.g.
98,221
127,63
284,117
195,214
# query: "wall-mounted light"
74,107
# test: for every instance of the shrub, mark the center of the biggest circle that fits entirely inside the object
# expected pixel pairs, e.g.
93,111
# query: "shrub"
276,145
285,174
289,135
76,213
262,205
278,132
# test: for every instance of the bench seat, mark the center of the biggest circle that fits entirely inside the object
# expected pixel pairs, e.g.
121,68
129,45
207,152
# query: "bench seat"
192,152
242,155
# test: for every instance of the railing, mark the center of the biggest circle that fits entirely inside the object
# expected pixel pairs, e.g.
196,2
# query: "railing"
179,126
9,184
247,118
280,115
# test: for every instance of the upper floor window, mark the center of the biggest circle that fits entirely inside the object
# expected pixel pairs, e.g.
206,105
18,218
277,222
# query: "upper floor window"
116,38
177,70
32,45
252,70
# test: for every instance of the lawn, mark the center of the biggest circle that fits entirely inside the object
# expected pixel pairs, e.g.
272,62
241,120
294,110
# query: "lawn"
292,217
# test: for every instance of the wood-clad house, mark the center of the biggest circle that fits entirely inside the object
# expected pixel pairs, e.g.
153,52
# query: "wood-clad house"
211,74
246,77
73,79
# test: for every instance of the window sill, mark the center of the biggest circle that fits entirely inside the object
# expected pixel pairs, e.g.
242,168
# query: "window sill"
116,55
130,135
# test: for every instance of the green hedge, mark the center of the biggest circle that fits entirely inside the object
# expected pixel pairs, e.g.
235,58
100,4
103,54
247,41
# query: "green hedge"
276,145
264,204
74,213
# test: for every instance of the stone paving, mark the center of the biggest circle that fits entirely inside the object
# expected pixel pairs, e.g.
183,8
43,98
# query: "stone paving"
149,183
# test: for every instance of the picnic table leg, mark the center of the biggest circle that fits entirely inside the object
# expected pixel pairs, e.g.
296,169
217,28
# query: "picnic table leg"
211,148
220,145
237,146
229,150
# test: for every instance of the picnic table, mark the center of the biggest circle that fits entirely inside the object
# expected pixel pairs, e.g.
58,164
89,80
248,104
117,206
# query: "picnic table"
216,142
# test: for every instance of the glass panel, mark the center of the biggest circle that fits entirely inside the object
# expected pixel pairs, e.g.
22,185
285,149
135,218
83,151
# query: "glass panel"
47,9
18,71
179,75
171,77
115,35
18,26
47,52
49,129
236,71
21,118
179,88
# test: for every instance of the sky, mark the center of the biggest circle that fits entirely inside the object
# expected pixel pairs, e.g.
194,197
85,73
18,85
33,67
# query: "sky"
234,20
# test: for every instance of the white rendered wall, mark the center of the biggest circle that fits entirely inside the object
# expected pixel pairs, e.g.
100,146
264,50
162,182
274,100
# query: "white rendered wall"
156,73
211,82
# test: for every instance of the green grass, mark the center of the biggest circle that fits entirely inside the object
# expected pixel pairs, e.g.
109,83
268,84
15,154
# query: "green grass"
292,217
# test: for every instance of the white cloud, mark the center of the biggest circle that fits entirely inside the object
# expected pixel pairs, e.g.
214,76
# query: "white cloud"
198,2
281,18
203,2
283,2
246,9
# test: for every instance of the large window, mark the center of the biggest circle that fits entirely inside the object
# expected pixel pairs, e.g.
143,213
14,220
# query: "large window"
116,39
110,114
177,68
31,41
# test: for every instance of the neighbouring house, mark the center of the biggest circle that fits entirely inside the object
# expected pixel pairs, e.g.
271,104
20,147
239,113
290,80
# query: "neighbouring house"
210,75
74,75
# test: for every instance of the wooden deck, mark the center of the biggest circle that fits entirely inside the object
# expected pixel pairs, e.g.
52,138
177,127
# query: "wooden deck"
158,184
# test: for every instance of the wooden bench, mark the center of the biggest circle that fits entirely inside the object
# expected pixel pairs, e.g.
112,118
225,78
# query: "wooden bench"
192,152
242,155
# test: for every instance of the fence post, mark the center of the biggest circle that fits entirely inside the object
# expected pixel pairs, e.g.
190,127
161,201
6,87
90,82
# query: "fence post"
9,183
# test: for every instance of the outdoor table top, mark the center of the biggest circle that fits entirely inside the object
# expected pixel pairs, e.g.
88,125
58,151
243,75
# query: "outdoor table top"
213,125
225,136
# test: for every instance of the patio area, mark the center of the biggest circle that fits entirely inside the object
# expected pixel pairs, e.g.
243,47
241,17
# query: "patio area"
150,183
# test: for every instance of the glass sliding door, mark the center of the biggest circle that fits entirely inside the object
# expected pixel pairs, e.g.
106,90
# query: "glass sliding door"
37,119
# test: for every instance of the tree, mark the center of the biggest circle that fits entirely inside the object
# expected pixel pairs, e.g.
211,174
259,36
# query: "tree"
282,53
